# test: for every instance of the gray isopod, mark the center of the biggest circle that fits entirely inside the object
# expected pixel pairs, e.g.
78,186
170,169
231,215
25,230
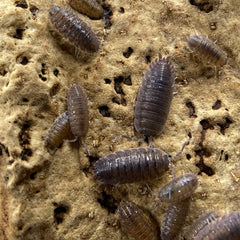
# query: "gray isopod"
78,111
154,98
131,165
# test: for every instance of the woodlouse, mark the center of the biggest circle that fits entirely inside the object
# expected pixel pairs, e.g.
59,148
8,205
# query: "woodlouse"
179,188
89,7
225,228
154,98
78,111
59,132
131,165
136,223
174,219
205,219
208,49
75,30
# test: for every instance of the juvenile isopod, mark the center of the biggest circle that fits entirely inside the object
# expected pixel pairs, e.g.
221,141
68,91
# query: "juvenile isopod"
225,228
131,165
174,219
91,8
75,30
208,49
136,223
59,132
154,98
179,188
205,219
78,111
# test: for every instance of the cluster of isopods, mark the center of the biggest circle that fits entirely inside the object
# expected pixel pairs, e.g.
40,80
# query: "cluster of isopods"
139,164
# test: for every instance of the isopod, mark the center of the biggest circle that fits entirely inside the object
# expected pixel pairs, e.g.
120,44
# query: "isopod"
78,111
131,165
59,132
179,188
225,228
89,7
174,219
136,223
154,98
75,30
205,219
208,49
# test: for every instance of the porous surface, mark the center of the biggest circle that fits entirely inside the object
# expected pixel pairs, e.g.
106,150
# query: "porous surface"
55,197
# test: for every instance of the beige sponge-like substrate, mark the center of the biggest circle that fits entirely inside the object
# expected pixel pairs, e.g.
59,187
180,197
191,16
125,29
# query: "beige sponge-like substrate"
54,197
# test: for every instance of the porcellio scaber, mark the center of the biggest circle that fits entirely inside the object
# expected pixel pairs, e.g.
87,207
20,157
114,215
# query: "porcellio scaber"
75,30
131,165
136,223
225,228
89,7
207,49
78,111
154,98
59,132
179,188
205,219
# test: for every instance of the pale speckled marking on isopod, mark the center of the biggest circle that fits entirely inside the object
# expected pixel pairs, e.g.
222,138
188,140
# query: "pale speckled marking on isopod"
75,30
59,132
89,7
208,49
136,223
225,228
179,188
154,98
203,220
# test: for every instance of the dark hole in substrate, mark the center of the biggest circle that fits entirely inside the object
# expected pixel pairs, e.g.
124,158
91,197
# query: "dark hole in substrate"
21,4
109,202
206,124
42,78
3,72
148,59
107,80
217,105
43,70
33,9
204,168
106,16
54,89
26,152
25,100
33,175
3,147
128,52
127,81
24,61
56,72
191,108
117,85
121,10
19,33
188,156
203,5
224,126
225,157
59,213
104,111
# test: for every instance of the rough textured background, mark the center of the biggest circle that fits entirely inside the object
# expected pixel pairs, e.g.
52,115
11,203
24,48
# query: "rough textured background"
54,197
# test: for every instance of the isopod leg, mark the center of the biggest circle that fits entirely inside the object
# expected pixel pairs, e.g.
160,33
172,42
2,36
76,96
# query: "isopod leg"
86,147
180,152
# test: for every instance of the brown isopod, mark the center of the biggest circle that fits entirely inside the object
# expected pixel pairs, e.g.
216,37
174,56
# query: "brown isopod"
89,7
208,49
174,219
154,98
75,30
78,111
59,132
225,228
131,165
205,219
179,188
136,223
